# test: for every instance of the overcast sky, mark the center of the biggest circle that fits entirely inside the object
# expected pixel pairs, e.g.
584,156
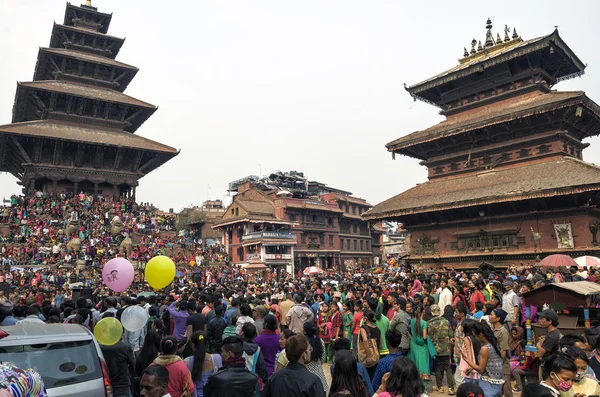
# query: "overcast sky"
311,85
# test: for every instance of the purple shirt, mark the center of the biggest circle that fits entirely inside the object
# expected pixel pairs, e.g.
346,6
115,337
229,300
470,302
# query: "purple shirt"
179,320
269,346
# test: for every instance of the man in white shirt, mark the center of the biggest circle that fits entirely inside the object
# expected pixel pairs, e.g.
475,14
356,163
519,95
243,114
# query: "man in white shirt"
510,304
32,316
445,295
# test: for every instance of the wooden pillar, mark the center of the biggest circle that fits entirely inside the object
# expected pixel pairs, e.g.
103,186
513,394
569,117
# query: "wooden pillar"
95,191
75,188
133,194
115,192
54,187
31,186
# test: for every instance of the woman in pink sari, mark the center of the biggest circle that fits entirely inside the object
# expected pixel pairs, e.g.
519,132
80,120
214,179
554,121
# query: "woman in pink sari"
416,288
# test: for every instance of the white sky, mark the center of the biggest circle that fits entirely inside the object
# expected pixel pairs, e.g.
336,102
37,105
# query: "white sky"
312,85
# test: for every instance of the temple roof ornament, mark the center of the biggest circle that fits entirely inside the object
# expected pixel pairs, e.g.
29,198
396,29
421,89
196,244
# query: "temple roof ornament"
489,45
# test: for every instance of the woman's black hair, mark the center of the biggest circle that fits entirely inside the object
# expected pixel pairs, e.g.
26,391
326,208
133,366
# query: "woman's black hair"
570,340
168,345
483,328
575,353
404,379
148,352
557,363
199,342
469,328
270,322
418,328
345,376
469,389
287,333
369,315
312,333
449,315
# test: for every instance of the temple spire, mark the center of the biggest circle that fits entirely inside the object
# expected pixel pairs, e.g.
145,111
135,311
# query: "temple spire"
466,53
88,3
479,46
473,44
515,35
489,39
498,39
506,30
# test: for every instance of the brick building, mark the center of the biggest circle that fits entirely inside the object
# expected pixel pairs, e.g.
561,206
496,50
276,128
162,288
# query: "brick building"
295,223
507,181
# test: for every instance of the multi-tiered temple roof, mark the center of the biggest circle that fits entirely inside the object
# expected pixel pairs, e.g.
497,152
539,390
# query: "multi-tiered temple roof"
504,128
73,128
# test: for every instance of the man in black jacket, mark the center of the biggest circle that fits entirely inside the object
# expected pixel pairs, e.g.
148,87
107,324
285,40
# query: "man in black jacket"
121,367
295,380
234,379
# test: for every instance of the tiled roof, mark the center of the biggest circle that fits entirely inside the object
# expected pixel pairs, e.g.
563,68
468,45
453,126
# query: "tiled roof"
256,207
492,114
497,55
54,130
86,57
86,91
552,178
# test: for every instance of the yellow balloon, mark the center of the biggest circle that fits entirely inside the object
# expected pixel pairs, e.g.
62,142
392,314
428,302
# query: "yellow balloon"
160,271
108,331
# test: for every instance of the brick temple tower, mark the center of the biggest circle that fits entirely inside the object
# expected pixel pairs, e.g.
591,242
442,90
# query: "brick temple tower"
73,128
507,181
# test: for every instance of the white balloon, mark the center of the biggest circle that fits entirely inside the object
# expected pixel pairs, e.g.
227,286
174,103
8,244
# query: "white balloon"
134,318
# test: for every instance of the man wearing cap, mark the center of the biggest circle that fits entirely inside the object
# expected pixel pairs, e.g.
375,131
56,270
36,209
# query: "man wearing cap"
510,304
440,332
497,318
549,344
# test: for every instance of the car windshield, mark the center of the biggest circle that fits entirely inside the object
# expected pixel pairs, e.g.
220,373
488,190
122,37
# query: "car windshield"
59,364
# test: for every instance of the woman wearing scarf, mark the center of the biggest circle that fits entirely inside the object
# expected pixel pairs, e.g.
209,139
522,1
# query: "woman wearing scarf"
416,288
515,347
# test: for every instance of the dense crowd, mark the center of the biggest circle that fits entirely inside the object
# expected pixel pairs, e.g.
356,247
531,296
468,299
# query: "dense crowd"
214,331
399,333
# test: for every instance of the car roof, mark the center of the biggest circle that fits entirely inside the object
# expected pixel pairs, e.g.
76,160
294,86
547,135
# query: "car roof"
47,332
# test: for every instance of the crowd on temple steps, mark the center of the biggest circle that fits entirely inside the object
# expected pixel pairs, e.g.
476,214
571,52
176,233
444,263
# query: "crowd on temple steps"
219,332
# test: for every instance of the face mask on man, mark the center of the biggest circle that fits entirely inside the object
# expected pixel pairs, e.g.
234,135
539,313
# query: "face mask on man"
562,385
580,375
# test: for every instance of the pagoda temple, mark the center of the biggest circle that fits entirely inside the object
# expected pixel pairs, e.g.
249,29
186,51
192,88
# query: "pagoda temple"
73,128
506,178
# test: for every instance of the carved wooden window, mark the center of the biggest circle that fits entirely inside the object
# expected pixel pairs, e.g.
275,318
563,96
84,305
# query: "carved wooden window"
506,156
470,164
524,153
485,242
454,167
454,245
572,150
330,240
487,159
438,170
292,217
521,240
543,149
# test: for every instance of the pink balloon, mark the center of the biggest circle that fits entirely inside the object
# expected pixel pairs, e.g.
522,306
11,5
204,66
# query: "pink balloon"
118,274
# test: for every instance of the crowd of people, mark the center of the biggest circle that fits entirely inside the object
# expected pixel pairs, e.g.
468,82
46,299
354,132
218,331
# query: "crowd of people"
215,332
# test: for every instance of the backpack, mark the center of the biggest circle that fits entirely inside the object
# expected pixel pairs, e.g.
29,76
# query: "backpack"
368,351
251,362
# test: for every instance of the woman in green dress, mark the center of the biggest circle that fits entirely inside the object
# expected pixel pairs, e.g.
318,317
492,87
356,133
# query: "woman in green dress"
347,320
419,351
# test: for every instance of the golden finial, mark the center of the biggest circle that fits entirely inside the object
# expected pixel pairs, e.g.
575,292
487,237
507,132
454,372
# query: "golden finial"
479,46
506,30
466,53
88,3
473,44
498,39
515,35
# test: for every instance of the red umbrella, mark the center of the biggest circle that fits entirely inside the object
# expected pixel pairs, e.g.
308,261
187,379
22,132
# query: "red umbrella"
557,260
313,270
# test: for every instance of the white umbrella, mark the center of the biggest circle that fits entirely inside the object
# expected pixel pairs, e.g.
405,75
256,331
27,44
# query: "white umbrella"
312,270
588,261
